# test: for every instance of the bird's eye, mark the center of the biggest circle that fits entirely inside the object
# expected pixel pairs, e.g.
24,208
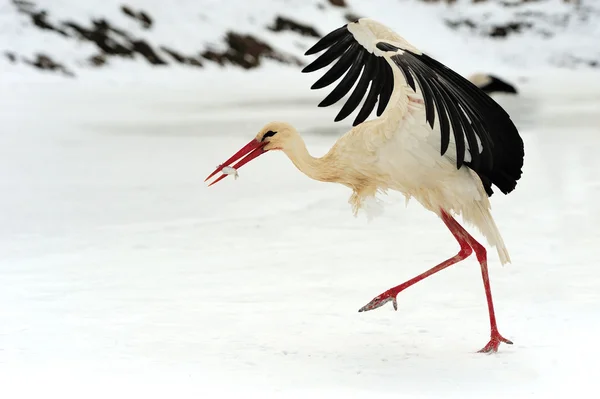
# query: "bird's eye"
268,134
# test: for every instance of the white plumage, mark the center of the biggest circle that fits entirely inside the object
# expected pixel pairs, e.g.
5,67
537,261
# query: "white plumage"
437,139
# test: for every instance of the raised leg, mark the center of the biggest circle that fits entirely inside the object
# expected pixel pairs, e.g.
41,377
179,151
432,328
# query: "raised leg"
390,295
467,245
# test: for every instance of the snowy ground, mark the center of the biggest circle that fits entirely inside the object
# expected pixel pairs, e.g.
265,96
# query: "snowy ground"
122,275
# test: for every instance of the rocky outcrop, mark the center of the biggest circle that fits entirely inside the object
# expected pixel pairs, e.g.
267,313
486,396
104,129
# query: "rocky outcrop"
181,58
132,34
142,17
491,30
338,3
286,24
44,62
244,50
521,16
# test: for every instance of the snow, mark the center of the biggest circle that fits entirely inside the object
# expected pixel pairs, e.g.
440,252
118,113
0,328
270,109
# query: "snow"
123,275
192,26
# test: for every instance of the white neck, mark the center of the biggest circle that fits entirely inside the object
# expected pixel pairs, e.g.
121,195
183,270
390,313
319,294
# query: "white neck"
322,169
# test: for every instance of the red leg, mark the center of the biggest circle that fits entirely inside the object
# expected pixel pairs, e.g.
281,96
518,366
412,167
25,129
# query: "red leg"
467,245
480,252
465,251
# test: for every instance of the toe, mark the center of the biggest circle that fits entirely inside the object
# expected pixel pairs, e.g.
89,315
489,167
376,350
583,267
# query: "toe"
378,302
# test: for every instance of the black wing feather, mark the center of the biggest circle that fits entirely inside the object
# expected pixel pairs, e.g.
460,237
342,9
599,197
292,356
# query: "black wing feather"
339,68
327,40
407,75
457,129
387,88
359,91
371,100
441,106
331,54
346,83
426,93
460,106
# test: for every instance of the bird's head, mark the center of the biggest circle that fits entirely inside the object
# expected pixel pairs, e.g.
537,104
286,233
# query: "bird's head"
276,136
273,136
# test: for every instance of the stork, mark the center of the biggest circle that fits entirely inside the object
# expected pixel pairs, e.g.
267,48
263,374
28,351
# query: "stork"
437,138
492,84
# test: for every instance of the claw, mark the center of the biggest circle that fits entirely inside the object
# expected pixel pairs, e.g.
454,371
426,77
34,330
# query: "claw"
380,301
494,343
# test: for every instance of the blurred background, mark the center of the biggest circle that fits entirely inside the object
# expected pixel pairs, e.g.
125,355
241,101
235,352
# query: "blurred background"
121,274
81,38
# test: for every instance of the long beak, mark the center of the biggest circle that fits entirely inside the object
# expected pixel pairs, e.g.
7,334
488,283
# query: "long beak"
250,151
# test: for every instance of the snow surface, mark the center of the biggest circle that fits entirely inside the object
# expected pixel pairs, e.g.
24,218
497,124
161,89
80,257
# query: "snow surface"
123,276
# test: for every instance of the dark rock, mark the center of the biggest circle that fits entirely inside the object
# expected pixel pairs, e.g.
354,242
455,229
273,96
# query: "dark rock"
140,16
182,59
145,19
98,60
214,57
128,11
195,62
24,6
39,20
246,51
338,3
12,57
464,22
99,36
103,26
44,62
494,30
283,24
505,30
572,61
174,54
143,48
351,17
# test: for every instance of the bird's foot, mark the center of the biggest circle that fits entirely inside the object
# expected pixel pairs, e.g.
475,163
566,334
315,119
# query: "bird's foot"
389,295
494,343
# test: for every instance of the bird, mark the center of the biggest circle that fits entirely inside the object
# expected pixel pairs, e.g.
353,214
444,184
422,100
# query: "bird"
492,84
435,137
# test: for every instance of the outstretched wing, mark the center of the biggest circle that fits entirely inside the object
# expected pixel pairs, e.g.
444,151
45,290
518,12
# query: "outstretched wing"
352,58
483,133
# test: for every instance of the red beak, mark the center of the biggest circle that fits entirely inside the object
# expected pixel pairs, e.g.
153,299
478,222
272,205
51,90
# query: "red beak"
250,151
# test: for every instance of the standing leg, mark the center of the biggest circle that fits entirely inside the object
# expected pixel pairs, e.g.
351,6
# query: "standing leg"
480,252
467,245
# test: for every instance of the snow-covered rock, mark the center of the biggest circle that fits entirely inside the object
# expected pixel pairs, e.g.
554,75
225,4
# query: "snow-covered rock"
70,36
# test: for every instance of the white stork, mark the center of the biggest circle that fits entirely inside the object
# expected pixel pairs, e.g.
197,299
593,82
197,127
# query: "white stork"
492,84
438,139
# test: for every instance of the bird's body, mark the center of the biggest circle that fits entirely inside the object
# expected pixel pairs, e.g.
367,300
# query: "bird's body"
400,152
443,144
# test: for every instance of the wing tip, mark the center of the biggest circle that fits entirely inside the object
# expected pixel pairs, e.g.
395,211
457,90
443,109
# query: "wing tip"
312,51
327,40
